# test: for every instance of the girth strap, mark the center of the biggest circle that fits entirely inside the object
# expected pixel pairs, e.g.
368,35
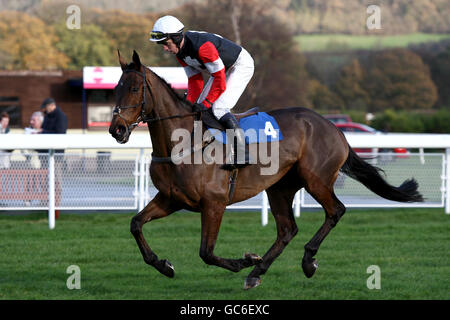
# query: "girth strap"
232,184
182,155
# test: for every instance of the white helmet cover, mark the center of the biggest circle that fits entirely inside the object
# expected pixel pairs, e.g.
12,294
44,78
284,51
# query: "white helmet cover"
164,27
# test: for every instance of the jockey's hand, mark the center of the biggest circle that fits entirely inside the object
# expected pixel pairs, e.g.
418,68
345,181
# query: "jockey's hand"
198,107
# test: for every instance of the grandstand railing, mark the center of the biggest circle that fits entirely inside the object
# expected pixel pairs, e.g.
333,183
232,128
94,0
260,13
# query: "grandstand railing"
97,173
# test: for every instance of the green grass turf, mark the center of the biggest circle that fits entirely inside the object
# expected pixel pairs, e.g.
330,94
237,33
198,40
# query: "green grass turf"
411,247
320,42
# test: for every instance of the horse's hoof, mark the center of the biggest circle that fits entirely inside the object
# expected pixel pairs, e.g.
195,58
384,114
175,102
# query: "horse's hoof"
309,268
251,283
167,268
253,258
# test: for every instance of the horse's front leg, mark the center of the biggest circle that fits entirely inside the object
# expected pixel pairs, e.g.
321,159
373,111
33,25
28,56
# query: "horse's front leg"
212,214
159,207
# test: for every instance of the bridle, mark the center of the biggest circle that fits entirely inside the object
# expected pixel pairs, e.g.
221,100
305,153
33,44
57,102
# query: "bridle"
143,117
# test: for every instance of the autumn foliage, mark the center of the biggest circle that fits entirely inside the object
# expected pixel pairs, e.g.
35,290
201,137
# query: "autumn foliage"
26,42
396,79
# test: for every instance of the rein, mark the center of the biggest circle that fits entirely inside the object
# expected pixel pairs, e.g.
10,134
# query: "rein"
151,120
147,119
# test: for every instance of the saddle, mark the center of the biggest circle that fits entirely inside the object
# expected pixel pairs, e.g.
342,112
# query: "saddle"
210,120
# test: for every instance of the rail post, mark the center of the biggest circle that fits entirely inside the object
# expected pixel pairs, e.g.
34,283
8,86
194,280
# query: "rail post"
51,189
141,179
297,204
264,209
447,181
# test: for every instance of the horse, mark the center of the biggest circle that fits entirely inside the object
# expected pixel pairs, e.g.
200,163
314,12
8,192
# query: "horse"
311,155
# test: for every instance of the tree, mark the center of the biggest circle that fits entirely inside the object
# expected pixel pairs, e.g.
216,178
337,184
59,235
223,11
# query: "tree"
440,68
320,97
400,80
27,43
130,31
121,30
349,87
87,46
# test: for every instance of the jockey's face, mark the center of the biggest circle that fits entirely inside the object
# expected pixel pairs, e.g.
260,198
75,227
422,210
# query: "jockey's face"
170,46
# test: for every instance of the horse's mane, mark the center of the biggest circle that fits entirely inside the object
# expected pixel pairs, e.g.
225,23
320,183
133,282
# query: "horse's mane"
172,92
169,87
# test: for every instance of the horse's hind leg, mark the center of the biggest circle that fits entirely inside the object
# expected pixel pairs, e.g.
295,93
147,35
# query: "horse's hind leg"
159,207
334,210
280,200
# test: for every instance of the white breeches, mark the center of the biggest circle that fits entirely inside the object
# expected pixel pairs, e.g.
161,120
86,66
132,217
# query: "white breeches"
237,78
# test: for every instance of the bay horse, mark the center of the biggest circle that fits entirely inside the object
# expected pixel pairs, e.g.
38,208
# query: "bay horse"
311,154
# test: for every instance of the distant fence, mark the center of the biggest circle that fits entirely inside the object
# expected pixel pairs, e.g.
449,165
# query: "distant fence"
97,173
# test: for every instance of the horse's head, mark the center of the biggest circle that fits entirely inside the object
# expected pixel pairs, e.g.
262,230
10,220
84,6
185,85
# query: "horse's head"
132,102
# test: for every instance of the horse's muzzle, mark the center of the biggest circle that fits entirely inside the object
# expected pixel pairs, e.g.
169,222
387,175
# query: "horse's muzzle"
120,133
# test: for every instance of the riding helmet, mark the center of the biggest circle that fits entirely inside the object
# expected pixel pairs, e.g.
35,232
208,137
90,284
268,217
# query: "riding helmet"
167,27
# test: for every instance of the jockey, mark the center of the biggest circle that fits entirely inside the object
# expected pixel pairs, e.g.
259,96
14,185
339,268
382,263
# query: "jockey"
230,67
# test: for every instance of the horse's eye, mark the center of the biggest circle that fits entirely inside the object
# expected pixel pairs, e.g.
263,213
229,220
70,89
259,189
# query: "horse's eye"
135,90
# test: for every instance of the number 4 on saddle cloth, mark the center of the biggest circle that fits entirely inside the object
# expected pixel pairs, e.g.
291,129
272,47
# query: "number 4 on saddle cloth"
259,127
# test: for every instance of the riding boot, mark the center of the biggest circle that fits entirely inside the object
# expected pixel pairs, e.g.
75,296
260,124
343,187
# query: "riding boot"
235,161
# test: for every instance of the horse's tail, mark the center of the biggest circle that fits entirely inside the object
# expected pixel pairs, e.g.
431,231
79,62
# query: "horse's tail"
368,175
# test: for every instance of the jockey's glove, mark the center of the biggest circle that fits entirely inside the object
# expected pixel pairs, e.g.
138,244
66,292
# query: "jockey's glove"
199,107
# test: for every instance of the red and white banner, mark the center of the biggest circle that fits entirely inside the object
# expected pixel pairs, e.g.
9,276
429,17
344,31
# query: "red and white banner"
108,77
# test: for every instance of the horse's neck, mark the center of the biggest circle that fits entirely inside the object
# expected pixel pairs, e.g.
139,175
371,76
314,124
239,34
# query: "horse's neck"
166,105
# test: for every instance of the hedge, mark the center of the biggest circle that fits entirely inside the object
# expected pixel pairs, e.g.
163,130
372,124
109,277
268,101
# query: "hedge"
400,121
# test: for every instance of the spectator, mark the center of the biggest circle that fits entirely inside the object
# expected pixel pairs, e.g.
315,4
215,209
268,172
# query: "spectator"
36,120
4,123
34,161
4,129
55,121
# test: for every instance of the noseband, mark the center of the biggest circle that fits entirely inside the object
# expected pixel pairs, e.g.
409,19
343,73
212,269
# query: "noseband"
143,117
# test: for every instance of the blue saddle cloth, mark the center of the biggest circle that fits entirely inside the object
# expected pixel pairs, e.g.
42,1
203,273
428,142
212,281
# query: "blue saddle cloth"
259,127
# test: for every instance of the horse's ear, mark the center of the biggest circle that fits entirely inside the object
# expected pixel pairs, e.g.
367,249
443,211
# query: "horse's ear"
122,62
136,60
